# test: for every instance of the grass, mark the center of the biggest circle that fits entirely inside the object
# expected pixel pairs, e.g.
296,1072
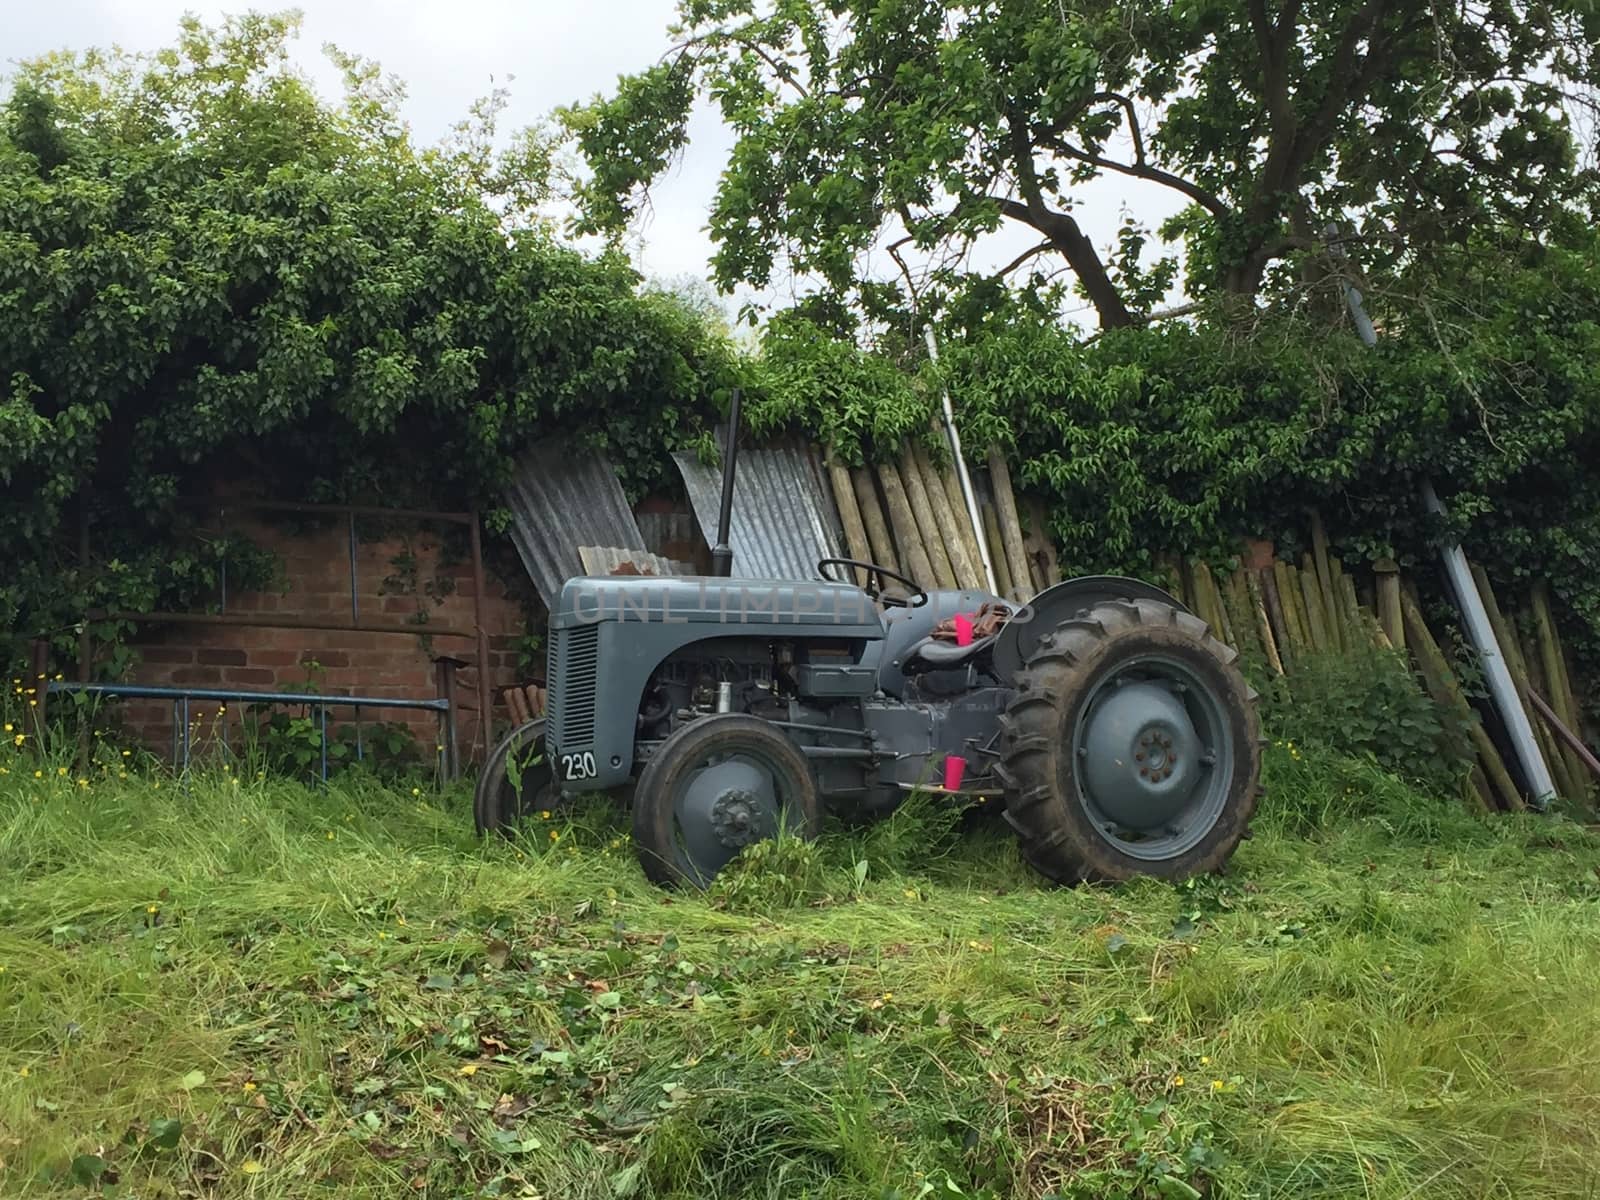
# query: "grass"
259,989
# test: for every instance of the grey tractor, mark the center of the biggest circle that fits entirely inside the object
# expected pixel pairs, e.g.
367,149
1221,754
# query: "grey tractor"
1116,730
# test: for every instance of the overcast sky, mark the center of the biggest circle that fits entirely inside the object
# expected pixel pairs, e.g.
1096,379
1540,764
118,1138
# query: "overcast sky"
450,52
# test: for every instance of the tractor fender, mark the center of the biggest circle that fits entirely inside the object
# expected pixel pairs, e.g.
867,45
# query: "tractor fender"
1019,638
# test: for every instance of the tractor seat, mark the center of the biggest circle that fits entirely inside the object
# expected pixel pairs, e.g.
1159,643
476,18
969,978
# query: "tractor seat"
934,654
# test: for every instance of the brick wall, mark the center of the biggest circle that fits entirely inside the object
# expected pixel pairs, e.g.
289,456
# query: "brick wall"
316,568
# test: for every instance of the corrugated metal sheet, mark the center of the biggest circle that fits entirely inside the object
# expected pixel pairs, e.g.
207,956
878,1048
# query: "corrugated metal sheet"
604,560
560,499
783,514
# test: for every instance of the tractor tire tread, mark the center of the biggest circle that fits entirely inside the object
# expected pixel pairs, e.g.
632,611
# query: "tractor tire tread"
1057,838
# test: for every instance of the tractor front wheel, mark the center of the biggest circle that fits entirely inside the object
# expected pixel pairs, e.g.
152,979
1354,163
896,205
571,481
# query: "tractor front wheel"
516,780
1130,747
714,787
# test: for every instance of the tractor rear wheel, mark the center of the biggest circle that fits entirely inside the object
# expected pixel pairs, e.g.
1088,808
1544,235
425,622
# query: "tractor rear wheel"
1130,747
714,787
516,780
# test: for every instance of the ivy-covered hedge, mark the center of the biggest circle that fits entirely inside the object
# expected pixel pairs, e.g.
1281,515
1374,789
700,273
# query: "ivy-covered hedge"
207,273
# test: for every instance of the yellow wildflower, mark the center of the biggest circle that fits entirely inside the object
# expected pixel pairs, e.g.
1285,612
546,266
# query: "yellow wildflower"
1177,1081
1216,1085
249,1085
1205,1060
61,770
555,836
330,835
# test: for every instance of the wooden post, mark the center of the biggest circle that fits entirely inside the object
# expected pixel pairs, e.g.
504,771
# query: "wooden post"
872,517
1557,689
1446,691
1325,584
1358,630
1311,605
1269,641
1394,628
1242,618
1205,586
912,552
844,498
922,513
969,536
997,550
1282,627
948,529
1005,504
1041,550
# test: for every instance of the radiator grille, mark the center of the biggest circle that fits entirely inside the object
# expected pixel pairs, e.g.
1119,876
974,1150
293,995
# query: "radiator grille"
574,674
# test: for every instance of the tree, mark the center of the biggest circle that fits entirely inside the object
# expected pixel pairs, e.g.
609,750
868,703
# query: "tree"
207,271
932,122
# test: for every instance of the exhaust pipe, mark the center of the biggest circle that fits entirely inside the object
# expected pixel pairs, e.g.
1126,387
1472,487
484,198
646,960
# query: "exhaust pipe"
722,553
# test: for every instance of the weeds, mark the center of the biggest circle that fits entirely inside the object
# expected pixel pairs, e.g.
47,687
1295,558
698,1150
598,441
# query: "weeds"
247,987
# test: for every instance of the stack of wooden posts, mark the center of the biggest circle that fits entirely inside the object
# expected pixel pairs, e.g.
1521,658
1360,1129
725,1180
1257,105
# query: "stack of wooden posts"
1286,614
910,515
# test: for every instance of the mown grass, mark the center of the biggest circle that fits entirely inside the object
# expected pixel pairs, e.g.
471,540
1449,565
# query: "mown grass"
259,989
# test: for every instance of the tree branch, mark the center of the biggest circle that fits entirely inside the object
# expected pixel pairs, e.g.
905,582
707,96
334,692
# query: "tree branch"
1062,231
1133,121
1194,191
1274,76
1016,262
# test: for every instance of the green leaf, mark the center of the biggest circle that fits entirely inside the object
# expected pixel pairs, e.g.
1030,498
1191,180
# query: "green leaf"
164,1133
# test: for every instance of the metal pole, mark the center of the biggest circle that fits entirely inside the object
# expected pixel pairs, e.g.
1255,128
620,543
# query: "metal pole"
722,553
322,721
1496,673
445,679
355,619
967,493
485,696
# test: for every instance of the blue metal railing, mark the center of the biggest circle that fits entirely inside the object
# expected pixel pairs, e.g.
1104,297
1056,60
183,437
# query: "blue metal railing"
181,698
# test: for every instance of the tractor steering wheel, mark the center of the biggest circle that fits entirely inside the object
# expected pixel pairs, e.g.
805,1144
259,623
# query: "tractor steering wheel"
876,586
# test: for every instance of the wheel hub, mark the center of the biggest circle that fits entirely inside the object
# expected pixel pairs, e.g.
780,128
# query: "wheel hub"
1142,756
722,808
735,818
